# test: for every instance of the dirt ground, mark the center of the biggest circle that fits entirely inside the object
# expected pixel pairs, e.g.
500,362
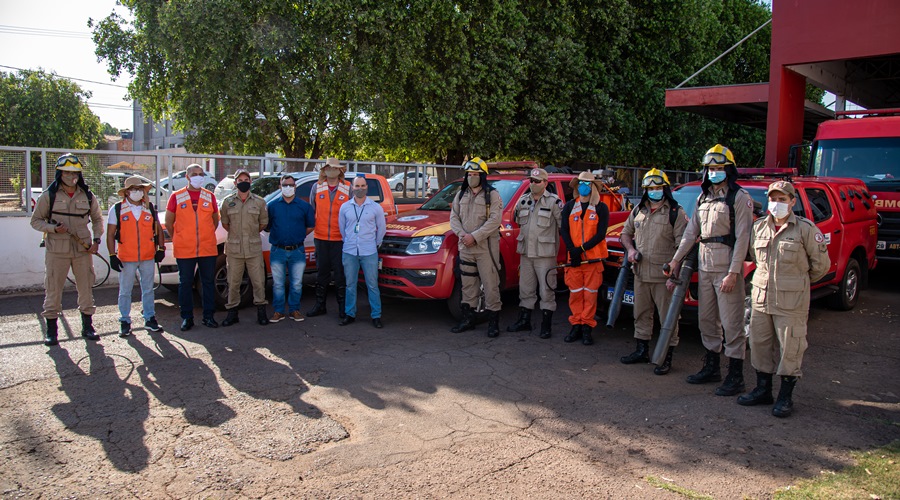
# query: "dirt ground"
412,411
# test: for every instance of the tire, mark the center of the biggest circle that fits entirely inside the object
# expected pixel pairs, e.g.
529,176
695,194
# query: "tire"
210,187
848,291
221,285
454,302
398,187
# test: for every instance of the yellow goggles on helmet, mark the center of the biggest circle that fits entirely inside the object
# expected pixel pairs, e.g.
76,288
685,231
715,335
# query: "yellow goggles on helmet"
475,165
716,159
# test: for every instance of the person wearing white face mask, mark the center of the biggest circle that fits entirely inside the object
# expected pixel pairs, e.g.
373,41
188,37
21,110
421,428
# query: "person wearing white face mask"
790,252
192,216
290,220
133,225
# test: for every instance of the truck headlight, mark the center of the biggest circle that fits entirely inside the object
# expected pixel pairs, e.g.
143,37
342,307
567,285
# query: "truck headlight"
424,245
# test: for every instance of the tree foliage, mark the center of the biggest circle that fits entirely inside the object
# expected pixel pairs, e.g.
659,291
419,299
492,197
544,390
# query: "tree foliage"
39,109
559,81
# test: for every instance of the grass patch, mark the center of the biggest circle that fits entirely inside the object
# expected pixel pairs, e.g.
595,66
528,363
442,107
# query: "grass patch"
876,475
669,486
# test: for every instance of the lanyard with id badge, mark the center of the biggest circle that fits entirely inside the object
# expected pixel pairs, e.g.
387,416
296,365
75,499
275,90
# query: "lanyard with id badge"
358,217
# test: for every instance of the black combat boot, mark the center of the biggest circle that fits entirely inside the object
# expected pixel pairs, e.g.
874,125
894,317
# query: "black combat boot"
641,354
734,381
710,371
574,334
341,294
546,319
319,308
261,316
52,328
87,327
231,318
586,338
523,323
467,322
494,323
666,365
762,394
784,406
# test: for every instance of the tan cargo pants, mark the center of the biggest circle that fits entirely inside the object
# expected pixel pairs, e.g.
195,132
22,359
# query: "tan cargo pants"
647,297
57,267
718,310
532,282
777,343
256,270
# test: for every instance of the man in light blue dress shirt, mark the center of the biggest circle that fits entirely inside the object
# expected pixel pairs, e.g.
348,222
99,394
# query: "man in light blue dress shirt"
362,229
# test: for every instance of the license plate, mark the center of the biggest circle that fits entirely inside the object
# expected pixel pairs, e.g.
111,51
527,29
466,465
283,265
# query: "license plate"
380,261
627,298
881,245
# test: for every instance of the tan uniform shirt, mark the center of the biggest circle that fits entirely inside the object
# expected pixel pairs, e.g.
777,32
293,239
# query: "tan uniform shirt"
711,218
62,243
787,262
244,219
655,238
538,225
469,215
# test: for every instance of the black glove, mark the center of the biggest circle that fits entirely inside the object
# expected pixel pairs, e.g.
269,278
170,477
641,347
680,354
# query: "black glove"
160,255
115,263
575,257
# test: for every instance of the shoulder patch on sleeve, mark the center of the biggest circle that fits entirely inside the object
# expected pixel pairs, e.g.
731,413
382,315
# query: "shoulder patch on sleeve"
750,204
819,237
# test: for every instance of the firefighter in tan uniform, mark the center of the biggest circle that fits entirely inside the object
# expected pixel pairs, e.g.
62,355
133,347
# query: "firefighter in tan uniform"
538,215
651,236
244,215
790,253
69,243
475,219
721,223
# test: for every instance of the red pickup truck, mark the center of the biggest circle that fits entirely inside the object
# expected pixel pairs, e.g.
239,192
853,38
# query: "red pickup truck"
840,207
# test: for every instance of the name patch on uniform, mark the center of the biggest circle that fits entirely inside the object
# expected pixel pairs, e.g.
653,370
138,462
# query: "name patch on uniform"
205,203
147,217
232,204
322,196
576,218
125,218
184,205
592,217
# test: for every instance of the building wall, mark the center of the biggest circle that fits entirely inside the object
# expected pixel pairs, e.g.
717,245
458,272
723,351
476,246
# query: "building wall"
150,135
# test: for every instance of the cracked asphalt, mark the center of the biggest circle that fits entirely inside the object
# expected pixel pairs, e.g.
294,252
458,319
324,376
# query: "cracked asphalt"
314,410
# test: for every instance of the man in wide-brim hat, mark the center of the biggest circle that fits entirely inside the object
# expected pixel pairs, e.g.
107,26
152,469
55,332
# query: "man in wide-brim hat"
132,224
584,222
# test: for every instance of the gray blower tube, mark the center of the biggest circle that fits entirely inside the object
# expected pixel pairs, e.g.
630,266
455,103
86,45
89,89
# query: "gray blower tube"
671,320
615,304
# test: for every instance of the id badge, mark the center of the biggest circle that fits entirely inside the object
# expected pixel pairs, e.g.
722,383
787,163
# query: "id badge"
356,229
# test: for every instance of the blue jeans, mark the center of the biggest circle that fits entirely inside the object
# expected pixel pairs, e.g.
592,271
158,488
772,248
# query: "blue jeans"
145,268
282,261
369,264
207,267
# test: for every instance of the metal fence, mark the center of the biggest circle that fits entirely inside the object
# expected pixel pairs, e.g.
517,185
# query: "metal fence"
25,171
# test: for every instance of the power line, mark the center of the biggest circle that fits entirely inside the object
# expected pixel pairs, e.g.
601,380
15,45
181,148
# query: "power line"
123,107
24,30
70,78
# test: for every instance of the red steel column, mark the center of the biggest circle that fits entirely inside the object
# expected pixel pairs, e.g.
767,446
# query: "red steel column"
784,123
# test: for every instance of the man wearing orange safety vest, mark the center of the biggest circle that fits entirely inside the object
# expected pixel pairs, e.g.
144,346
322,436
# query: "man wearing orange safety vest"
192,216
583,230
326,197
132,223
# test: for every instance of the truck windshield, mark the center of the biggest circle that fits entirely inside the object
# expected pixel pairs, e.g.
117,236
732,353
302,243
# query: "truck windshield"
443,199
687,198
874,160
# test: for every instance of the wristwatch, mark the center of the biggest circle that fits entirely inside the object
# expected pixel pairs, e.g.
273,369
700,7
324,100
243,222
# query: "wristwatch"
97,240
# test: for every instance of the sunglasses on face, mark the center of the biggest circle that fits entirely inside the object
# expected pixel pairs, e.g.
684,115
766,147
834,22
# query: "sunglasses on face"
536,181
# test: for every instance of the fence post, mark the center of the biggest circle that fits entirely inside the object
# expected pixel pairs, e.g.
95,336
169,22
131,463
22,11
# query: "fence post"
43,169
27,198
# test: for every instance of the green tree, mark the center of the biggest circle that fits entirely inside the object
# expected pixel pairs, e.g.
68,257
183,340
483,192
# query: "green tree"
107,129
250,76
39,109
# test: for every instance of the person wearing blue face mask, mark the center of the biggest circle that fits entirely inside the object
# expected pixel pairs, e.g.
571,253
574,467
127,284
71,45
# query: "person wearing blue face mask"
651,236
721,223
583,222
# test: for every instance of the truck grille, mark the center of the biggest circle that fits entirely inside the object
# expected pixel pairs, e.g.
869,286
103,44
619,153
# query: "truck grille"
409,275
890,225
394,245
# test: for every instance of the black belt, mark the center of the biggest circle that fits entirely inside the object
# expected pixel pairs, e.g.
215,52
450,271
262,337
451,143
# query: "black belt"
288,247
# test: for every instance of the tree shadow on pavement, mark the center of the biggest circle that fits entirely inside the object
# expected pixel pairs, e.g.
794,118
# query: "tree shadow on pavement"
103,406
179,381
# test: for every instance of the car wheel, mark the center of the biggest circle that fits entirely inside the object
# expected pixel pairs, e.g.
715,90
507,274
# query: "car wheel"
210,187
399,187
454,302
848,291
221,285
